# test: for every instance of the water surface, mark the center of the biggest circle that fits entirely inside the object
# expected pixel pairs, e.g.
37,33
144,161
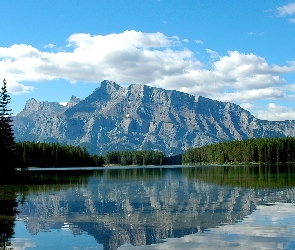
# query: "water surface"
233,207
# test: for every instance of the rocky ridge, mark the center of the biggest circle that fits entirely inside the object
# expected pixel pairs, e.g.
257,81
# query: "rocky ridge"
141,118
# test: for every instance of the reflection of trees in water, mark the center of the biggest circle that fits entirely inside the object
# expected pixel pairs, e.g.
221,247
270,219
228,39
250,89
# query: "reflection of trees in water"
8,211
136,206
252,176
27,183
143,206
134,174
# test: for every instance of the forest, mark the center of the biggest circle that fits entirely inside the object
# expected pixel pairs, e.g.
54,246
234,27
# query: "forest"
135,158
263,150
42,154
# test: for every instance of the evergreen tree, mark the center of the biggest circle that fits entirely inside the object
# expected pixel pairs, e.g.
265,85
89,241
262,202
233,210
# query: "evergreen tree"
6,132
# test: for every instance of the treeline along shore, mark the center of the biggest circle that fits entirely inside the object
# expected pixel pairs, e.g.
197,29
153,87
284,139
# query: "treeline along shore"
264,150
43,154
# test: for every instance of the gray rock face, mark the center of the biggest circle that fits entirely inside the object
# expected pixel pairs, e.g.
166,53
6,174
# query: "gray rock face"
73,101
142,118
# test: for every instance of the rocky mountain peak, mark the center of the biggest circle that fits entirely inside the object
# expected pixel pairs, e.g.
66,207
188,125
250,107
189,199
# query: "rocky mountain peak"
108,90
109,86
140,117
73,101
32,105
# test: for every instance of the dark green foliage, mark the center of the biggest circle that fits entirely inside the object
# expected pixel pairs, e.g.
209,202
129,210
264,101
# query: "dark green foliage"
265,176
173,160
6,132
43,154
8,212
135,158
264,150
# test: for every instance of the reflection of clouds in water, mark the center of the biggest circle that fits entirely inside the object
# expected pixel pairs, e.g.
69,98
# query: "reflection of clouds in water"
22,244
53,239
268,227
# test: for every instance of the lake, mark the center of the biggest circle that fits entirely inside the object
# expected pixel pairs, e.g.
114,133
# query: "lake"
171,207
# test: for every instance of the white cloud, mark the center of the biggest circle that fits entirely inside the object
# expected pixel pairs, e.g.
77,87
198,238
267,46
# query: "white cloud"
63,103
199,41
213,54
248,106
288,9
185,40
131,56
248,71
17,88
49,46
147,58
276,113
250,95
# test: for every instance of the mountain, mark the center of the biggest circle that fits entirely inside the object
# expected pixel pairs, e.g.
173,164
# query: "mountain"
141,118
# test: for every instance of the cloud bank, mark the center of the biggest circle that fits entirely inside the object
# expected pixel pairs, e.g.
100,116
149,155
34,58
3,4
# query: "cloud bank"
147,58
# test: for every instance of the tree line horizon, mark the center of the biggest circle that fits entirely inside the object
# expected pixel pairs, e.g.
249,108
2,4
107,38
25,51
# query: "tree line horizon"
254,150
24,154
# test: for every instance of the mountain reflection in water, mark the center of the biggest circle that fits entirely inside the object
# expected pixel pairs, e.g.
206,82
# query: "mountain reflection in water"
158,208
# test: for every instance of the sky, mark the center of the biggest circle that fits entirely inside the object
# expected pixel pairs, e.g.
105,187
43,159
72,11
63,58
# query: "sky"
233,51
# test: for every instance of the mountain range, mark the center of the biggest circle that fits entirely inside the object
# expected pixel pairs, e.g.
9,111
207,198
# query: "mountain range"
139,117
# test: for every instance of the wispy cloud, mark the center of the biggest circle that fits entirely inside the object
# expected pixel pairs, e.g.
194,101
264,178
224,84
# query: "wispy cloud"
288,9
199,41
213,54
49,46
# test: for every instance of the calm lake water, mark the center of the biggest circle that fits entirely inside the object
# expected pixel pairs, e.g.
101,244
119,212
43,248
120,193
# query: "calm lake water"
210,207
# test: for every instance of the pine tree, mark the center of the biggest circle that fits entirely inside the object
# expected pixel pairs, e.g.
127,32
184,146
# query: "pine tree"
7,144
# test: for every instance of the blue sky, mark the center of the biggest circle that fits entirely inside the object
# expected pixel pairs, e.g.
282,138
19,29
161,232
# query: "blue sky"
237,51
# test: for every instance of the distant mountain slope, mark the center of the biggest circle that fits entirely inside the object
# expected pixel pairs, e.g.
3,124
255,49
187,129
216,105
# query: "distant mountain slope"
141,117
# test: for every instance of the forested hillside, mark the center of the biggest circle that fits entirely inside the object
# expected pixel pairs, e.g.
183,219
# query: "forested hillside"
266,150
